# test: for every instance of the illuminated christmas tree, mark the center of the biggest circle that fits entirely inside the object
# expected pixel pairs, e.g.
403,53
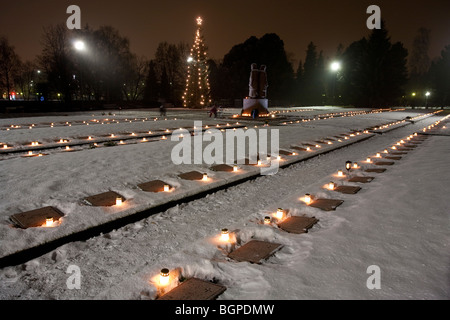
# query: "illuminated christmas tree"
197,93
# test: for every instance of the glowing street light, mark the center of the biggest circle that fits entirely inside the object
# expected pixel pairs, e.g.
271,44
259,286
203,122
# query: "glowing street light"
79,45
335,66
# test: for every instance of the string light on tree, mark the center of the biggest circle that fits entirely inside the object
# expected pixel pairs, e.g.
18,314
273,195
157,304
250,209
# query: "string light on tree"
197,93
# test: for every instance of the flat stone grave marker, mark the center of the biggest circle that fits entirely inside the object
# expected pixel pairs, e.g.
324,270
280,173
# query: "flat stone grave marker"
393,158
34,155
309,145
255,251
36,218
347,189
106,199
410,146
376,170
192,175
299,148
153,186
404,149
285,153
298,225
326,204
398,153
361,179
222,167
384,163
194,289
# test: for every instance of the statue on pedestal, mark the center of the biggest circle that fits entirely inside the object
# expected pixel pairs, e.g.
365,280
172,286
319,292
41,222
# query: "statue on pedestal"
256,103
258,82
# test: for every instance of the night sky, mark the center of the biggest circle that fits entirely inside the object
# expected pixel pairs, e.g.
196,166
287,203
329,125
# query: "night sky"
148,22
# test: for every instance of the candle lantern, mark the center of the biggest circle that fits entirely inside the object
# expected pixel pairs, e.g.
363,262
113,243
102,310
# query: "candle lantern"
267,220
225,235
49,221
308,198
355,165
331,185
348,165
119,201
340,173
166,188
164,277
280,214
205,177
235,168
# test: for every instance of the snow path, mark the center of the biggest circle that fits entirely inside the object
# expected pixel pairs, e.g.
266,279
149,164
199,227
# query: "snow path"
328,263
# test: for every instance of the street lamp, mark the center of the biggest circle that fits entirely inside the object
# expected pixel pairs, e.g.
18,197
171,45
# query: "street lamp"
335,68
80,46
427,95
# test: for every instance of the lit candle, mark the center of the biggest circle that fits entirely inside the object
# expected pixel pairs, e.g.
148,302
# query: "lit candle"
119,201
205,177
5,146
67,148
369,160
378,155
278,158
280,214
225,235
308,198
355,166
317,146
49,221
164,277
308,149
89,138
166,188
30,153
340,173
331,185
267,220
235,168
259,162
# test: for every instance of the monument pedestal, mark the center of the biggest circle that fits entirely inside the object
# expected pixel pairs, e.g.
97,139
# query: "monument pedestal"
260,105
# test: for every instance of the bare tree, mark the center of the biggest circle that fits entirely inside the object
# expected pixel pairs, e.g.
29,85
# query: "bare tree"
55,60
134,87
9,61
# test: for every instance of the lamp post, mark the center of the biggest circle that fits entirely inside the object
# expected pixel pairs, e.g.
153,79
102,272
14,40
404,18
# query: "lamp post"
335,68
80,46
427,95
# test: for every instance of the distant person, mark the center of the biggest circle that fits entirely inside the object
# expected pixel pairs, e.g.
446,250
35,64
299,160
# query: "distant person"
213,111
162,110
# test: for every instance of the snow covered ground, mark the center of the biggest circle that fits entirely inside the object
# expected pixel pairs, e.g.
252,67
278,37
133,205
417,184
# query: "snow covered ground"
398,222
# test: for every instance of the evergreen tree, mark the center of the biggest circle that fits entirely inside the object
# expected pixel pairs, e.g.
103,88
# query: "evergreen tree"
375,71
198,90
440,78
151,85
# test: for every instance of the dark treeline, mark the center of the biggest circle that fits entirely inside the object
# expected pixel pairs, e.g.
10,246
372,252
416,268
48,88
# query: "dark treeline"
373,71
